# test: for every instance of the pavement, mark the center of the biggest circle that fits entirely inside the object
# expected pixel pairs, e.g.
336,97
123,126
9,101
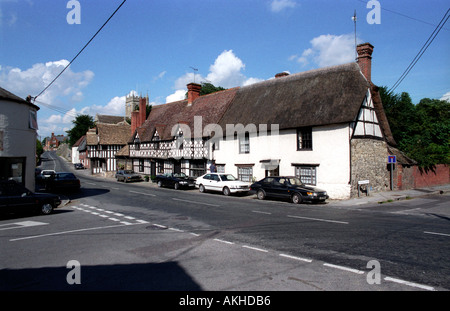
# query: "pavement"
392,196
373,198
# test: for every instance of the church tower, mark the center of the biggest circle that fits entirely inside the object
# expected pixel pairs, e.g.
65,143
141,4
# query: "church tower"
131,104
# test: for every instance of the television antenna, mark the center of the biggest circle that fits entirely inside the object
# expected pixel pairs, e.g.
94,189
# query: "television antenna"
354,20
194,69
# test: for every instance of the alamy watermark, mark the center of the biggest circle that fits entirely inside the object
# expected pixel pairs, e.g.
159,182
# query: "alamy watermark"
74,15
374,15
74,275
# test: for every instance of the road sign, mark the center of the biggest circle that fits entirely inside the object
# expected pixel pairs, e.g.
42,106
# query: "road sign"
392,159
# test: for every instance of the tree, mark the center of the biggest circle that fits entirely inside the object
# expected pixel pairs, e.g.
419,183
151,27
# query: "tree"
422,131
39,151
82,124
208,88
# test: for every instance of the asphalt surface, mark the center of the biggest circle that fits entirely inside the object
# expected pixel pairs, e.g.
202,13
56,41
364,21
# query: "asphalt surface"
140,237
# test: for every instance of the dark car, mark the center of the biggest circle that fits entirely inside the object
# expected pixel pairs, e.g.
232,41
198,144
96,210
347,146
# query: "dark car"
287,187
15,198
78,166
175,180
127,175
62,181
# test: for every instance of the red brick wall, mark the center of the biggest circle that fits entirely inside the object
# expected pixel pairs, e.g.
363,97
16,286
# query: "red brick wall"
439,176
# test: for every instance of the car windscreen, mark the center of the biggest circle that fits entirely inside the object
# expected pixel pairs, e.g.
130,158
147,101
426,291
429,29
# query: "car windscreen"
182,175
227,177
128,172
65,176
295,181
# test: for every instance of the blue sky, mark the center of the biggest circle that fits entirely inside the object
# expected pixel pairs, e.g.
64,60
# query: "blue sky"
149,47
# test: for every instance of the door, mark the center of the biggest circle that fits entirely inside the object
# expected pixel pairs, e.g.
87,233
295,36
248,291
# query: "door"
177,167
152,168
279,187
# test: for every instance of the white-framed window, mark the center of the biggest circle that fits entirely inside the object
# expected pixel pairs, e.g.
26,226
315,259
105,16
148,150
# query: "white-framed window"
244,143
307,174
245,173
220,168
304,138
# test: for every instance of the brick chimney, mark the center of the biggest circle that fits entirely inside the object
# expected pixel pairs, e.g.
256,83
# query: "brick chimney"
193,92
142,111
134,121
365,59
282,74
138,117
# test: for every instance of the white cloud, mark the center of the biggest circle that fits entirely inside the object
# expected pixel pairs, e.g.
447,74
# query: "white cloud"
178,95
226,71
446,97
328,50
33,80
279,5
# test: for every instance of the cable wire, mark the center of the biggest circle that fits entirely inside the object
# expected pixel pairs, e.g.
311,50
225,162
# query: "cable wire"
80,51
422,51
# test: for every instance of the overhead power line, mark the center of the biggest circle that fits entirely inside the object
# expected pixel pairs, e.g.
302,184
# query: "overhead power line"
422,51
80,51
404,15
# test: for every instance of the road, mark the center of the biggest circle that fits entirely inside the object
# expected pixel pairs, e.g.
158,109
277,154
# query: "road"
139,237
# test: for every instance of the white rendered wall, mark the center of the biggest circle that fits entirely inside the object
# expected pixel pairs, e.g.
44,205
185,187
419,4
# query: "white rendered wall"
331,154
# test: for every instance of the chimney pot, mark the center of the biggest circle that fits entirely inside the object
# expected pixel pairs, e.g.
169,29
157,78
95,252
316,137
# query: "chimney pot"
282,74
365,51
193,92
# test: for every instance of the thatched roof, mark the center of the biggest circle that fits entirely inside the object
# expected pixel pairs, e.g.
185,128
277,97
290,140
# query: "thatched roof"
109,134
325,96
318,97
103,118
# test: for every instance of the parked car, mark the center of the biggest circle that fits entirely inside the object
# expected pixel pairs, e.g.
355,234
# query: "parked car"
78,166
127,176
15,198
62,181
225,183
47,173
175,180
287,187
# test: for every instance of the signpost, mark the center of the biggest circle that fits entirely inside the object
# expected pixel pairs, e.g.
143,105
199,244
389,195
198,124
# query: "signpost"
392,159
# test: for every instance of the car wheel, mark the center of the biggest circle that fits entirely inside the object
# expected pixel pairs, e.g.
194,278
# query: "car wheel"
176,186
46,209
297,198
160,183
261,194
201,188
226,191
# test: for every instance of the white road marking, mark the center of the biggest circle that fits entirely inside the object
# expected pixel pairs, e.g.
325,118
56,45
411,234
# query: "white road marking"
409,283
160,226
223,241
175,229
436,233
344,268
65,232
22,224
295,258
319,219
259,212
255,248
195,202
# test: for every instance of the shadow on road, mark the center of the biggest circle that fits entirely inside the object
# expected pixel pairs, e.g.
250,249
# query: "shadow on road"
167,276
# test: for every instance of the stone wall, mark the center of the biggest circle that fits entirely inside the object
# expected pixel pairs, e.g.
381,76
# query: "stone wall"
369,162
